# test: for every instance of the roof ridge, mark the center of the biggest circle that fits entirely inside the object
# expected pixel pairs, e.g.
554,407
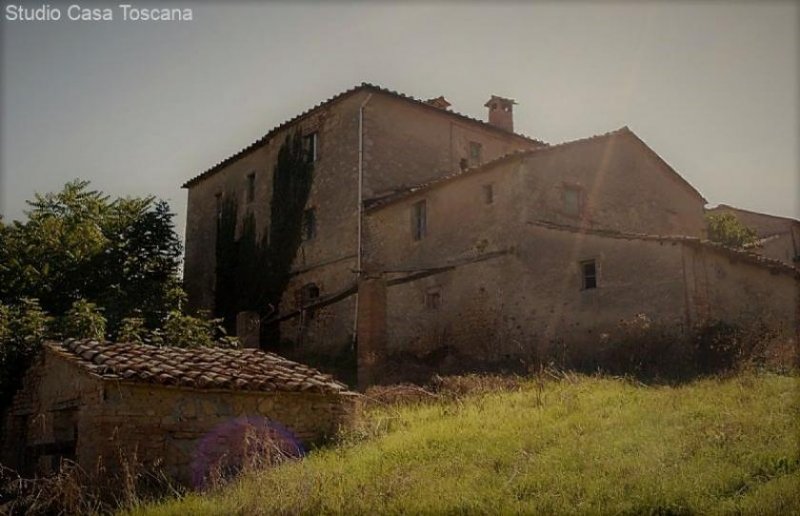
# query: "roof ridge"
375,203
364,85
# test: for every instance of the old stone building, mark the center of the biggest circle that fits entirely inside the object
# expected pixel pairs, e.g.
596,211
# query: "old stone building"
441,242
101,404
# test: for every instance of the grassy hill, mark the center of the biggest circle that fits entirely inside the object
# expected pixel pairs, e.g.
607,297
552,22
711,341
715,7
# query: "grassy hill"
574,445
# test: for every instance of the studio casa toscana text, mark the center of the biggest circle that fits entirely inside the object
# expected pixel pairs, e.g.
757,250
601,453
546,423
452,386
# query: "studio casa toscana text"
76,12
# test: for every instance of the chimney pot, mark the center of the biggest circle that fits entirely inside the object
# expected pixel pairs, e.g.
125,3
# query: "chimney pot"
501,112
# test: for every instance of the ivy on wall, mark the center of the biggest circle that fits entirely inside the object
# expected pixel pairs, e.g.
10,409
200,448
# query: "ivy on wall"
252,273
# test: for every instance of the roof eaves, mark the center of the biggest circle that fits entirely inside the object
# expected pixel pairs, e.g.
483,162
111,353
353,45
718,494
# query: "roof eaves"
753,258
376,203
363,86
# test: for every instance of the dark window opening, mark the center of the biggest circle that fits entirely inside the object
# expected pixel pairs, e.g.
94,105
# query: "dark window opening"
463,164
475,154
309,228
310,147
488,194
251,186
419,223
310,292
433,299
218,205
572,200
589,275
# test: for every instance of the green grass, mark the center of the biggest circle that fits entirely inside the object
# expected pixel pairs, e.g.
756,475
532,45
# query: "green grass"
584,446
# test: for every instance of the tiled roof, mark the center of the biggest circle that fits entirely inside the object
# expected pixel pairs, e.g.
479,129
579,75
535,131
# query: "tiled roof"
364,86
746,256
728,207
202,368
388,199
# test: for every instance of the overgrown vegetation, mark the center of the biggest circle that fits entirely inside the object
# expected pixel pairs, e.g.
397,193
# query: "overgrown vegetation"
85,266
726,229
253,273
549,444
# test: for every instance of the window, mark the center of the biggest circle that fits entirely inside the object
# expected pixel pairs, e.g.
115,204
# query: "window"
419,221
588,275
218,205
572,200
309,293
433,299
310,147
251,186
475,154
309,228
488,194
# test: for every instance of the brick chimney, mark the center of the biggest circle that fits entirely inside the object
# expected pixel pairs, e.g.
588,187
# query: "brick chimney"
439,102
501,112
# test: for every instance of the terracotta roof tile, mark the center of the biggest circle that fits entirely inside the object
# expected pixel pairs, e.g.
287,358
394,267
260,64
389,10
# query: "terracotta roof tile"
240,369
364,86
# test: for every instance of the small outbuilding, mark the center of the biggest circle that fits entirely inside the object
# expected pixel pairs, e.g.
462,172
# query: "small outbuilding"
98,403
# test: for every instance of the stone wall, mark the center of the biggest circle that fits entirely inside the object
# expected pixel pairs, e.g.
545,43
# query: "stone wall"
404,144
507,310
47,417
107,421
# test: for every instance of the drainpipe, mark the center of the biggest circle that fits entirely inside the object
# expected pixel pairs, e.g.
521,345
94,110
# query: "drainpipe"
360,205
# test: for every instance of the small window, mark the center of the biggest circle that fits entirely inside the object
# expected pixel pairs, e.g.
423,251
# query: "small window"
310,147
309,293
309,227
572,200
475,154
419,222
589,275
218,205
433,299
251,186
488,194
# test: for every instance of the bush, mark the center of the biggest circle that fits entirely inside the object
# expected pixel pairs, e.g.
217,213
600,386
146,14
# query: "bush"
84,321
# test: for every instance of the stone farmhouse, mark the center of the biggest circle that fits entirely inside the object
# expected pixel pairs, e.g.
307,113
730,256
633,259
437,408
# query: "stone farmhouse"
102,404
436,242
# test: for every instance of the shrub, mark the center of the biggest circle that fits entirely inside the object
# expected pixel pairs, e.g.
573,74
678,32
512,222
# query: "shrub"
84,320
726,229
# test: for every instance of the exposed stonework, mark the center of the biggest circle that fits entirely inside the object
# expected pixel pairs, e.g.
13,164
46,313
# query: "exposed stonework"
468,244
95,403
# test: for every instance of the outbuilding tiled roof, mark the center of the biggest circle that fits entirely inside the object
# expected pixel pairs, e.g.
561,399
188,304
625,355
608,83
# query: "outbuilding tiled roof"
203,368
364,86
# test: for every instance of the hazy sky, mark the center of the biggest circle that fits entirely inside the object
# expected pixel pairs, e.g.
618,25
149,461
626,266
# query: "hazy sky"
140,107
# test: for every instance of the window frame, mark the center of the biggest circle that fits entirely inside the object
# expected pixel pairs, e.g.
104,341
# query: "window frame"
311,146
589,281
475,158
433,298
488,193
579,200
250,194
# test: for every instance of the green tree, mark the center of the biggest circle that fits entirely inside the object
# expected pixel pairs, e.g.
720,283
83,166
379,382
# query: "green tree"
726,229
76,244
